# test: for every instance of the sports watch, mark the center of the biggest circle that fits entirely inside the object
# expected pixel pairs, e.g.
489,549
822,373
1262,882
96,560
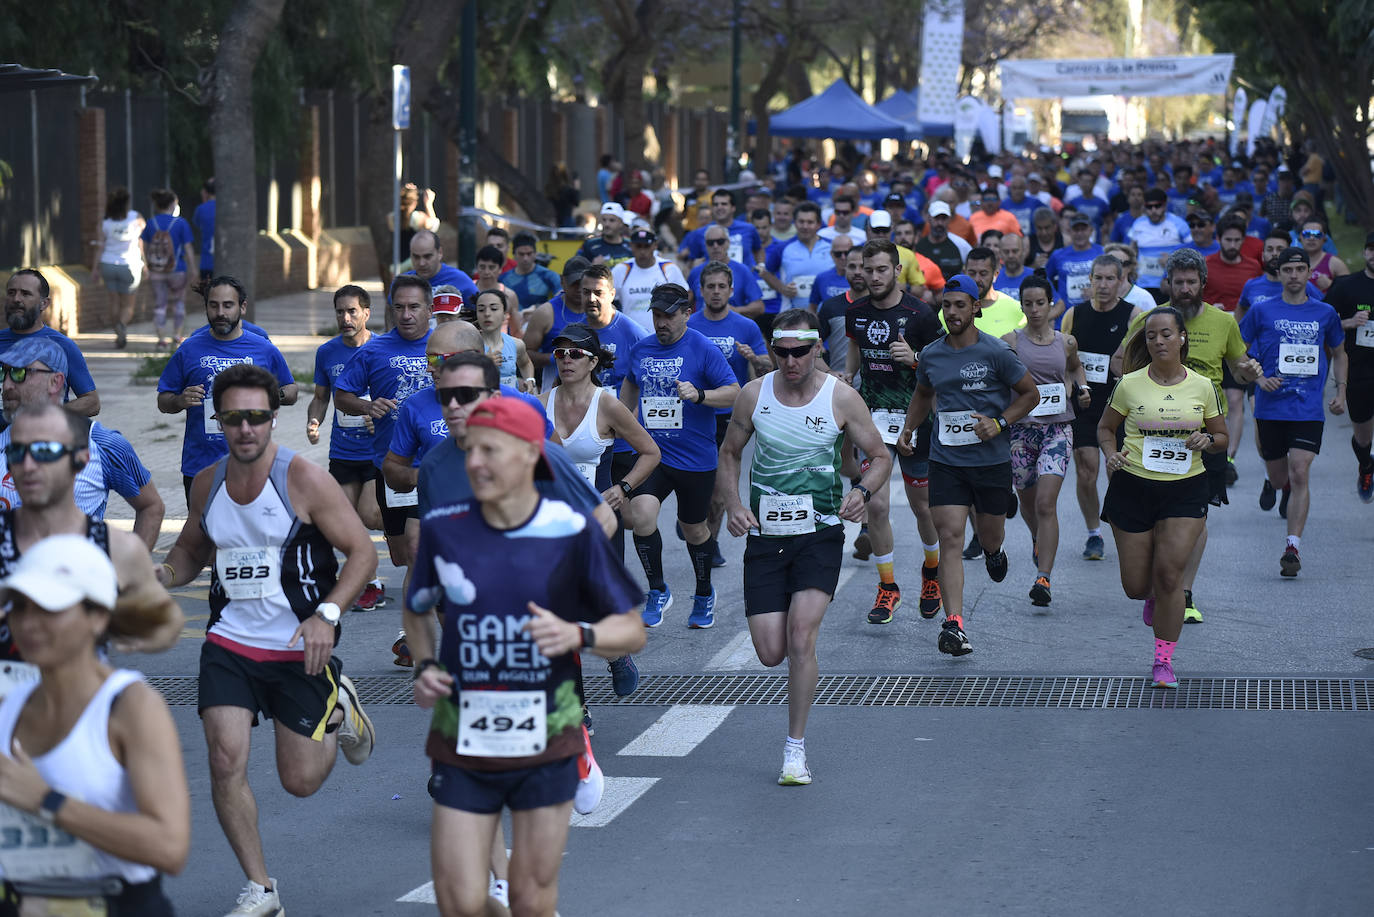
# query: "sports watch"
329,612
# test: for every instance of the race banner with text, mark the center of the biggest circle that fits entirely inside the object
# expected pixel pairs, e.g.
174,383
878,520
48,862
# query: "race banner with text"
942,48
1128,76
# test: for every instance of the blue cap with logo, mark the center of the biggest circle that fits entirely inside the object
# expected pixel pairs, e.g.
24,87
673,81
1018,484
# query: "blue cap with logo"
963,283
35,349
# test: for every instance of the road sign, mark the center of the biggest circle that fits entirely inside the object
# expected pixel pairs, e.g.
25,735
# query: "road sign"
400,97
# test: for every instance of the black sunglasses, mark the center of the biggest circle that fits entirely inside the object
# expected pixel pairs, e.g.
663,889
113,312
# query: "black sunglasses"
466,394
717,241
794,352
17,374
43,451
255,417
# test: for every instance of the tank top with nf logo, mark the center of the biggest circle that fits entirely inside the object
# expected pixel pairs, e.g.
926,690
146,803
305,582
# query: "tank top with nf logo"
794,480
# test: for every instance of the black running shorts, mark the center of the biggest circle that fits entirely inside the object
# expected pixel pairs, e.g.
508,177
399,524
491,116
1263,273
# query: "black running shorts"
280,691
352,471
1134,504
985,488
1277,437
775,568
693,489
393,517
487,792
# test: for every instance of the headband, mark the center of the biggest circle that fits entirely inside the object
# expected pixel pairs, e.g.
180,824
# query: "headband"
801,334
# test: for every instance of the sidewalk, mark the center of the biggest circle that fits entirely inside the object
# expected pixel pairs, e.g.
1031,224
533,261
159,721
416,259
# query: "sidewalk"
130,407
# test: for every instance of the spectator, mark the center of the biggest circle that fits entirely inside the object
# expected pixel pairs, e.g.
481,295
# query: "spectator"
169,251
119,259
563,193
204,221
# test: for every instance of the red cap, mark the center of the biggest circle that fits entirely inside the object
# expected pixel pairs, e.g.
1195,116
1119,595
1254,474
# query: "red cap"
515,417
447,303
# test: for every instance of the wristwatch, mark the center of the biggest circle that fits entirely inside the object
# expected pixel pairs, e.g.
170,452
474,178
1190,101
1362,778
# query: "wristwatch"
47,809
701,396
868,494
588,635
329,612
1002,423
625,486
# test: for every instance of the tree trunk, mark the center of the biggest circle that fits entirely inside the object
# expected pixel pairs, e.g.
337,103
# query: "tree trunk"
229,93
623,74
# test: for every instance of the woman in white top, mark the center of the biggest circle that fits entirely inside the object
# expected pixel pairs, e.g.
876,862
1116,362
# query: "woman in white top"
91,774
119,259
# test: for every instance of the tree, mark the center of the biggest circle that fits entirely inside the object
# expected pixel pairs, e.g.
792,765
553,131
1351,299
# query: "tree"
632,23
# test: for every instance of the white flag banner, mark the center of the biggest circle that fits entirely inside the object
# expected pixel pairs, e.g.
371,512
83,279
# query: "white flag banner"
1278,102
1253,124
942,48
966,116
1130,76
990,129
1237,114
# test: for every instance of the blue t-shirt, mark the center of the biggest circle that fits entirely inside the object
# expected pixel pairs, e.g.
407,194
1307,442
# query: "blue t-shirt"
1011,286
657,370
204,219
827,285
744,241
1122,227
1071,272
349,440
1205,250
1024,211
443,478
731,329
449,275
196,362
793,263
1178,202
419,428
1261,290
1290,342
746,285
79,381
1092,205
177,228
538,286
387,366
619,337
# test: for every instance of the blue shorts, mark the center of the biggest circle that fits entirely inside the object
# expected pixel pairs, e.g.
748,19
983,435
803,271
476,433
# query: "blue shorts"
487,792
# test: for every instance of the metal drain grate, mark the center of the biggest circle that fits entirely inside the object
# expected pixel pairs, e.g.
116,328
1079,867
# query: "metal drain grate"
1095,692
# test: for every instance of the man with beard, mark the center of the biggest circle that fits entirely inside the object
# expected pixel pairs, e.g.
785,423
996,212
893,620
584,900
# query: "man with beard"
1070,268
26,299
187,379
938,245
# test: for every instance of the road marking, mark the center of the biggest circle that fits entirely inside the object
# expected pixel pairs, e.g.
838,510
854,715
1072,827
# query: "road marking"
739,653
619,794
677,732
422,895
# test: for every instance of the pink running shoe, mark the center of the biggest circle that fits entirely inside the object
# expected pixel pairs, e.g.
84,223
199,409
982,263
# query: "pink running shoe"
1163,675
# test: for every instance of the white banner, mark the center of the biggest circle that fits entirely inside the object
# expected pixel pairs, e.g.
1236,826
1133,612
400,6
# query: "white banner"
990,130
1237,115
1253,124
1278,102
1140,76
942,48
967,112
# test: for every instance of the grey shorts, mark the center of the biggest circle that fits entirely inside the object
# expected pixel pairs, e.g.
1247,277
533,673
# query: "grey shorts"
119,278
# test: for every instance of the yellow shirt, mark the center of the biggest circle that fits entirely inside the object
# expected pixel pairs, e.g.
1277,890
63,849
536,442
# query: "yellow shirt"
1160,417
1001,314
911,274
1213,337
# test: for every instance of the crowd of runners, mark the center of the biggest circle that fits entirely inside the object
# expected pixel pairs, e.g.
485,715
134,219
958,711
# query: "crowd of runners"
768,355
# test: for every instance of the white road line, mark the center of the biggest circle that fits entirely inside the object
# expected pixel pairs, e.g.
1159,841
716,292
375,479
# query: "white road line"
727,653
739,654
677,731
619,794
422,895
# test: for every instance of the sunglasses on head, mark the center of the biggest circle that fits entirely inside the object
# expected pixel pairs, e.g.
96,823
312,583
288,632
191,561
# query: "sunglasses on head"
43,451
466,394
256,417
17,374
435,360
571,353
794,352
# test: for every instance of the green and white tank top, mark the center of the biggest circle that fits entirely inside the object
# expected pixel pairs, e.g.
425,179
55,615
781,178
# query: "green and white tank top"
794,480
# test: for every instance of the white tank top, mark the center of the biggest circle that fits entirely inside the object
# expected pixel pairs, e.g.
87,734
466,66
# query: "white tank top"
84,767
121,241
584,445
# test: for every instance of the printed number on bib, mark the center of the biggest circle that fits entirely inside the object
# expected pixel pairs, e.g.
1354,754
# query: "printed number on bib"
1052,400
14,674
1078,283
736,251
1298,359
889,424
957,428
588,471
31,849
803,285
248,573
1364,335
1166,455
662,413
349,421
397,500
784,514
1095,365
211,423
501,724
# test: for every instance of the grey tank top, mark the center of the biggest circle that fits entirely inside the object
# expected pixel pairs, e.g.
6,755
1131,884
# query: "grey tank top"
1046,364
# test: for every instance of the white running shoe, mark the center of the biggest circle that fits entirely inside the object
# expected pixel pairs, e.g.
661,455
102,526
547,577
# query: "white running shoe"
356,735
257,901
590,787
500,890
794,772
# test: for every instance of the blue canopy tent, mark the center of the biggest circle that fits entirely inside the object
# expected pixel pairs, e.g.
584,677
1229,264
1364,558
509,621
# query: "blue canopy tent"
902,106
839,113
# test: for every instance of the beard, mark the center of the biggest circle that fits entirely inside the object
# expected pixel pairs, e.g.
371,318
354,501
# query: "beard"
1190,306
21,319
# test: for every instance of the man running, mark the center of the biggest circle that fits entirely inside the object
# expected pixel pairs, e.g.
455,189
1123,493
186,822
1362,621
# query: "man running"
270,521
544,322
798,417
1353,298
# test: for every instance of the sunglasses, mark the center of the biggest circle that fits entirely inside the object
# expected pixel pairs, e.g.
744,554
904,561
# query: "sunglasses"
571,353
840,254
795,353
435,360
1154,206
43,451
1306,234
1196,224
717,241
880,229
256,417
17,374
466,394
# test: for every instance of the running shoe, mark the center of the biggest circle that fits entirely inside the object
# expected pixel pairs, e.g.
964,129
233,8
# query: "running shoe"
257,901
587,721
656,603
1365,485
1267,496
1094,549
997,565
1289,564
1147,614
863,545
794,771
1040,591
889,600
356,735
931,599
1231,474
974,549
1283,502
952,639
718,559
1162,675
624,675
370,597
591,782
402,652
1190,613
703,611
500,890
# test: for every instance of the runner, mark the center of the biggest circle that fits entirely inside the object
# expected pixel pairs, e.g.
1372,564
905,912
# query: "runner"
1070,268
675,381
1228,273
1015,271
1157,488
636,278
746,297
543,322
798,417
793,268
982,389
1296,340
271,521
28,297
493,567
1353,298
1040,442
506,351
350,435
831,314
888,329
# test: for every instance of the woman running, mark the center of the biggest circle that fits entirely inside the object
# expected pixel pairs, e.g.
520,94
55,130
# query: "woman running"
517,370
1326,267
1157,490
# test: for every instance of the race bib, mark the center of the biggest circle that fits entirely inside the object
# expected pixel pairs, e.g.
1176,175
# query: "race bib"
736,250
211,424
248,573
1052,400
1078,282
1095,365
889,424
957,428
784,514
31,849
397,500
661,413
1166,455
1364,335
350,421
588,471
14,674
1298,359
804,284
501,724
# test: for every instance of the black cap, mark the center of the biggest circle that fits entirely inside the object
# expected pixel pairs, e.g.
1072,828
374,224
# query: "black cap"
668,298
1369,240
1291,255
1155,196
1080,218
643,237
574,268
579,334
894,198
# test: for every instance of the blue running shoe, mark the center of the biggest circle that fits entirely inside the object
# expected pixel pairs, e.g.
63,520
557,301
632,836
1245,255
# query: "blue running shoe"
718,560
655,604
624,675
703,611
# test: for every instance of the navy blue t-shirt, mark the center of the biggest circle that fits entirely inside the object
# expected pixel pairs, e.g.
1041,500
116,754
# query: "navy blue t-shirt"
387,366
204,219
443,478
349,440
684,431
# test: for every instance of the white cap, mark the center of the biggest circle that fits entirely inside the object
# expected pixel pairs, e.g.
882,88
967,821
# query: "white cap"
994,171
880,219
612,208
1035,176
62,570
938,209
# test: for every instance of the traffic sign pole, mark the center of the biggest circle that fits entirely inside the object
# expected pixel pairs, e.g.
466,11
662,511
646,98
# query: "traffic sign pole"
400,120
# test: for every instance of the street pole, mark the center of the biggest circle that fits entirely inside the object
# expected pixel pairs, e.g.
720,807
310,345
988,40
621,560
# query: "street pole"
467,138
732,135
400,120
